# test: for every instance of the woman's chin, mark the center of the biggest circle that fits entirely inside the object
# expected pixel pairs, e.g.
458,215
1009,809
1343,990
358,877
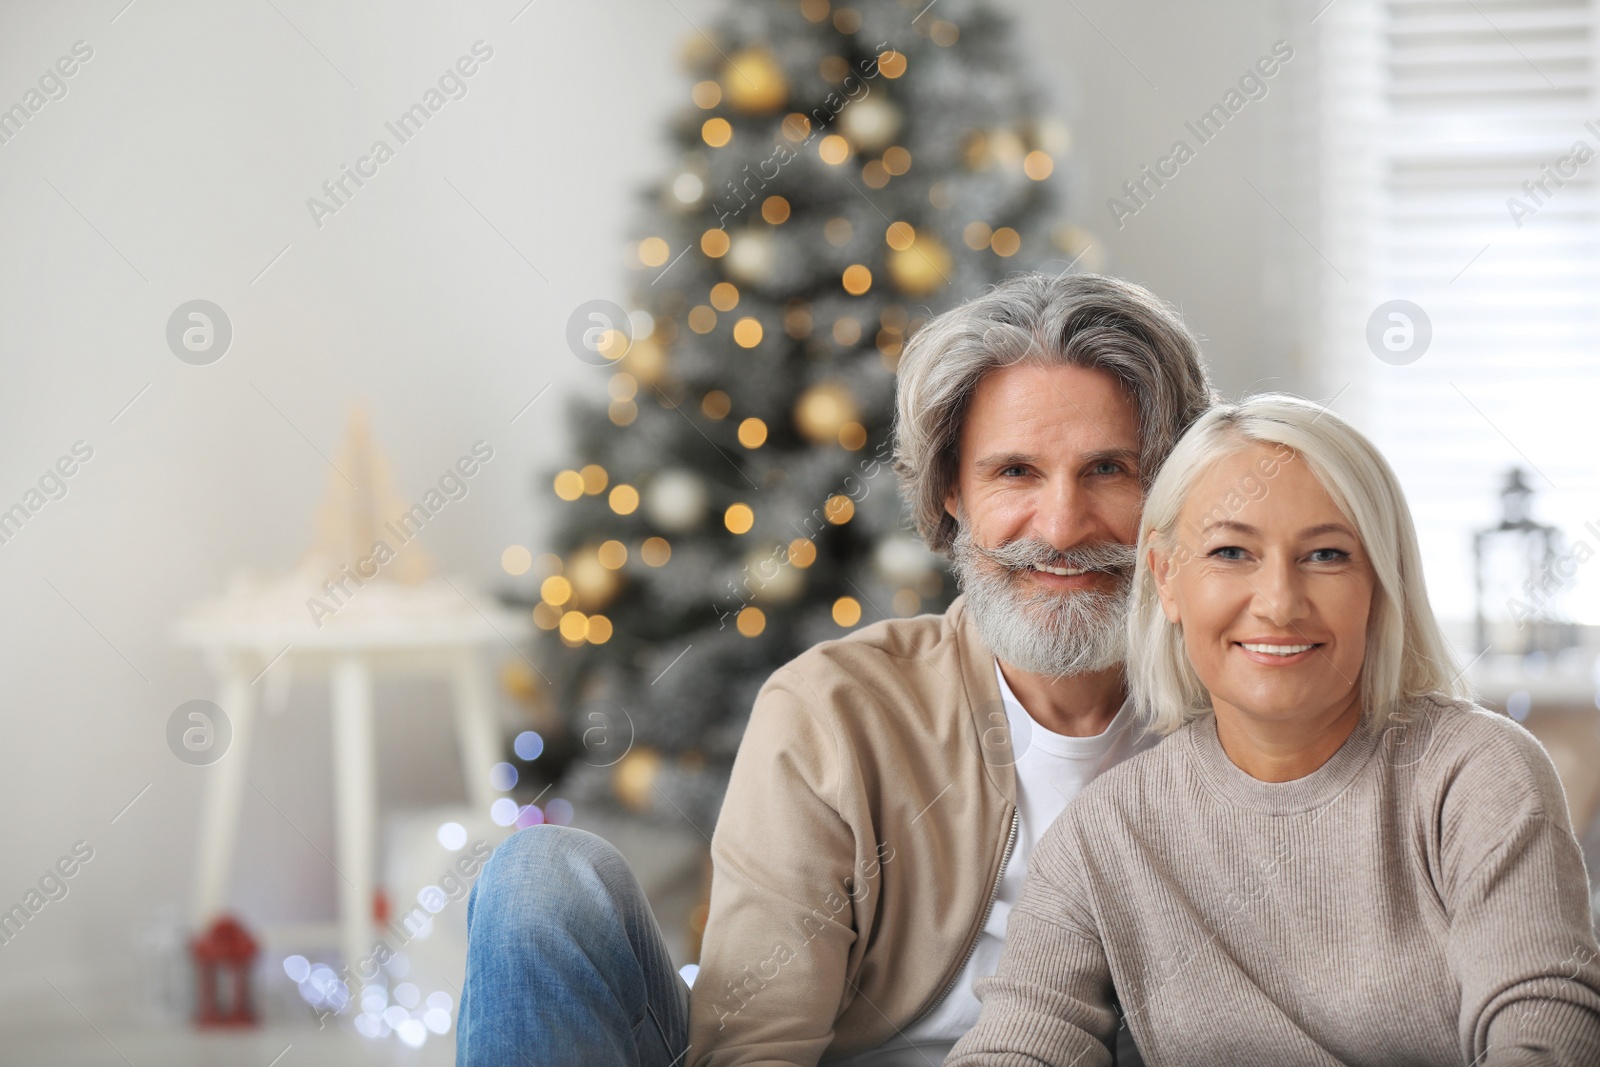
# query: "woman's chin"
1274,703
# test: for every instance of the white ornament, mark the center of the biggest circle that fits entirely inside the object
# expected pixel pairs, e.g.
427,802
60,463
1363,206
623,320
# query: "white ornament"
688,188
751,256
769,577
870,123
675,500
902,560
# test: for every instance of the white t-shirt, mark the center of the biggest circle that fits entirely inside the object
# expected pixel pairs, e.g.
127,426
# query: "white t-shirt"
1051,768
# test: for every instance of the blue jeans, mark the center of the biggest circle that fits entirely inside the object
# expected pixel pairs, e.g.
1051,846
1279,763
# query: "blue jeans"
565,963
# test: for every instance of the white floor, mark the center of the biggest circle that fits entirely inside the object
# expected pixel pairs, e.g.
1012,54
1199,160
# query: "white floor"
108,1020
272,1046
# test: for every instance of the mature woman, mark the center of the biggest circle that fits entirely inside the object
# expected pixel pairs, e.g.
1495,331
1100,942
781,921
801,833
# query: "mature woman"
1331,858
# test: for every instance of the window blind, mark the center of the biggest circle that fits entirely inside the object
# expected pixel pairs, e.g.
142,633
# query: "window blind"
1459,148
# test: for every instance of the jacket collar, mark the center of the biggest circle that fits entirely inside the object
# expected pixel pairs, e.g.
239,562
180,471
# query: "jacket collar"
981,691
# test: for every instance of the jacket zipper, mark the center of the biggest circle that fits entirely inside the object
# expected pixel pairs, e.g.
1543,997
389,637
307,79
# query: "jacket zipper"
994,893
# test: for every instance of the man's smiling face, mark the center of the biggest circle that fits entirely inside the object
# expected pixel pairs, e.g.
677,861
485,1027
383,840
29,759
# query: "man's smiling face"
1047,496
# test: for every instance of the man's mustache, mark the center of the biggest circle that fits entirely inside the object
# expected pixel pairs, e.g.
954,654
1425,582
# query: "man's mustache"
1108,556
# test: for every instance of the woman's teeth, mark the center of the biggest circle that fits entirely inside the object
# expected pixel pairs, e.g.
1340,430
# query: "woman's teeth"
1278,650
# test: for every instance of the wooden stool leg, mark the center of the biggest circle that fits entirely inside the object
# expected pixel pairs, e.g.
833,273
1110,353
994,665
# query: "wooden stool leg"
225,782
475,728
357,797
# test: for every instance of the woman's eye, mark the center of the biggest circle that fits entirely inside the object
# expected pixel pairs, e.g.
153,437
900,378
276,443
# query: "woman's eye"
1227,552
1329,555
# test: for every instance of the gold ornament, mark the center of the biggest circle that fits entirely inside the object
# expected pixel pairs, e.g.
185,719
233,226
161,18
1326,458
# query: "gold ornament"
699,52
517,679
593,581
646,360
634,779
921,268
823,410
1081,246
753,82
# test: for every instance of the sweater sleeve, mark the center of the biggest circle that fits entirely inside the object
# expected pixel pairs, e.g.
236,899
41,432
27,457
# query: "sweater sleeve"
1521,943
773,963
1049,1003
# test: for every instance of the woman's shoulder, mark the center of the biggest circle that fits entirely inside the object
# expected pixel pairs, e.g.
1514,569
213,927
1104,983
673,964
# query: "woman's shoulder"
1451,726
1453,742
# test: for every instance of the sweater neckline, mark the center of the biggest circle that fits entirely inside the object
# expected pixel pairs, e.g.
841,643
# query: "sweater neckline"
1315,790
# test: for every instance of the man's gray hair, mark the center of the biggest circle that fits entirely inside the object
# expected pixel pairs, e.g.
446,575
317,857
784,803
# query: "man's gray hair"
1086,320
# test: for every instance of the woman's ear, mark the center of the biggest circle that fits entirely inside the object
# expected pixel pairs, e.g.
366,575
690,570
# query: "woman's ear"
1163,565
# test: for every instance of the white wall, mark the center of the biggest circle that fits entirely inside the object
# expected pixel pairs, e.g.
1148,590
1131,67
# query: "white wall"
1130,75
181,160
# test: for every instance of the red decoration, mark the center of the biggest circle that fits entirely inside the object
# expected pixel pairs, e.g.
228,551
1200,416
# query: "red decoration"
223,956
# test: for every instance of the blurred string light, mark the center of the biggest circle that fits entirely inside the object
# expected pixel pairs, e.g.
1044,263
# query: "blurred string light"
410,1018
502,777
318,985
528,745
503,811
1518,704
403,1012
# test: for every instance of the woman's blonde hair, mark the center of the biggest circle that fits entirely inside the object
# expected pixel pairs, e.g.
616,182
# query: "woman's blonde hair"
1407,656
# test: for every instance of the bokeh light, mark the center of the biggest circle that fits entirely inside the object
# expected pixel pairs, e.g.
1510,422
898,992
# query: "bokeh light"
515,560
528,745
502,776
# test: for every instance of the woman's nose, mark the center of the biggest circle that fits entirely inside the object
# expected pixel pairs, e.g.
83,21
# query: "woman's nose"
1279,592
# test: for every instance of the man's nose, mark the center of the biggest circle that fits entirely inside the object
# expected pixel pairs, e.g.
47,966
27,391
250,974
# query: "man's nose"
1063,515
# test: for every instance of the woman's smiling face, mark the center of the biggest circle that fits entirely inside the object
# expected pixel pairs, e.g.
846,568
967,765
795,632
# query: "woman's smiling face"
1273,592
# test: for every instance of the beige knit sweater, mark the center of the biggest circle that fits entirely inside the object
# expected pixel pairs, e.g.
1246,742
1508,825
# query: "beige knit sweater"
1418,899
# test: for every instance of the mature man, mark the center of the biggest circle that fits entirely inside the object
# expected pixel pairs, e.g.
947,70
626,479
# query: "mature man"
892,783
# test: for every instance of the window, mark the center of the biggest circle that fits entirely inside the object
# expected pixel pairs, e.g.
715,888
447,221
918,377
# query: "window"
1459,150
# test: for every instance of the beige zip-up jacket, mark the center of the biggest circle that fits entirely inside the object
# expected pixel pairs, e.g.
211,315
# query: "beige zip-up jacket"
870,814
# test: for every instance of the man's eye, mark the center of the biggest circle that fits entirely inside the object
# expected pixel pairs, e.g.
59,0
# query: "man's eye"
1108,467
1013,468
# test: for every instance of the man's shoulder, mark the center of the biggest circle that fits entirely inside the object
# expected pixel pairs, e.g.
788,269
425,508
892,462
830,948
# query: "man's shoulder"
1127,788
889,653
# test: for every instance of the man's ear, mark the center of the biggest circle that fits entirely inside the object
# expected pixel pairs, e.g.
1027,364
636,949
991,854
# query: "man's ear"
1163,565
952,503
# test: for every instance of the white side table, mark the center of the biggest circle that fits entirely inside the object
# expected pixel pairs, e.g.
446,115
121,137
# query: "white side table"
429,629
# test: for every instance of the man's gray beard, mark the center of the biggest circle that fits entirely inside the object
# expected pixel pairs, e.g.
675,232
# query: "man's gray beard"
1037,630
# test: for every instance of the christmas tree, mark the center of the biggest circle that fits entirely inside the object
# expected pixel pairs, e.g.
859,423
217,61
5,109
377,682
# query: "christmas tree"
843,173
